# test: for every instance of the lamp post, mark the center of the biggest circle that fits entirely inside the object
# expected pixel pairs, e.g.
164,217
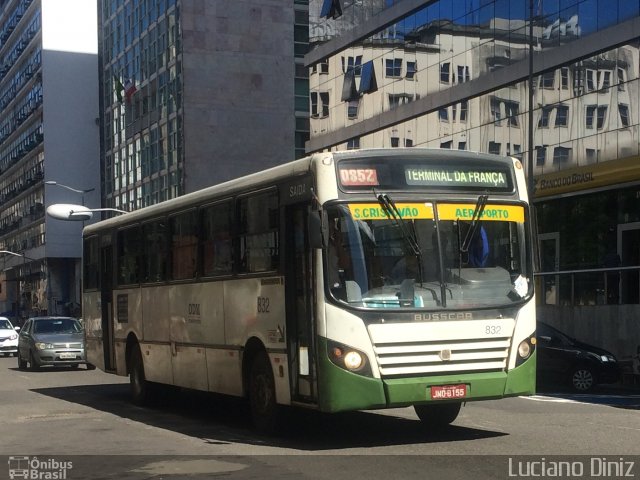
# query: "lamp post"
76,190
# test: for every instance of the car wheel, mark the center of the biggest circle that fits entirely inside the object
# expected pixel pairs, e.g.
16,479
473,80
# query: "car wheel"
438,415
583,379
33,363
91,366
262,395
22,364
137,380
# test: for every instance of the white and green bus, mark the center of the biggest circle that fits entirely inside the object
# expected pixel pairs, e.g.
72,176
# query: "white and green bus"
362,279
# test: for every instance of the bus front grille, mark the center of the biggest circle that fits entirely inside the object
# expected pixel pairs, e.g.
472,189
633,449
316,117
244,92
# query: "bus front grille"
440,348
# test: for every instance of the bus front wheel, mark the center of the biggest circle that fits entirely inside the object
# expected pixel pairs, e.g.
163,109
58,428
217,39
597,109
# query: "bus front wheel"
438,415
137,379
262,394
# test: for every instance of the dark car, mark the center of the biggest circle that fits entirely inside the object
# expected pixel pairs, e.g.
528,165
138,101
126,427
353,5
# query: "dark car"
567,361
53,341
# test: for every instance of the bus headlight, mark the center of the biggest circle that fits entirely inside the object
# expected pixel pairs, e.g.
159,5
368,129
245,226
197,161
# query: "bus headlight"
526,349
348,358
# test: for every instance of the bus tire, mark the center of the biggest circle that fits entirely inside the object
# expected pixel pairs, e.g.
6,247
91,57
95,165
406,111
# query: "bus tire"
262,395
137,380
438,415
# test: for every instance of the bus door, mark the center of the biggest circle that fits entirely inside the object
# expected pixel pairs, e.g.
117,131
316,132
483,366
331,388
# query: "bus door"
106,299
299,305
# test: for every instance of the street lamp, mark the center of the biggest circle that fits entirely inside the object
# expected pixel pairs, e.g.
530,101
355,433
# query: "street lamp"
66,211
77,190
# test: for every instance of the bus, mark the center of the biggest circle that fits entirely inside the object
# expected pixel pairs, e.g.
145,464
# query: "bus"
350,280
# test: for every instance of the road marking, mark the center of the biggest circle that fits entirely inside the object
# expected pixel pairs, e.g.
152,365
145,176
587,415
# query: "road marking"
581,398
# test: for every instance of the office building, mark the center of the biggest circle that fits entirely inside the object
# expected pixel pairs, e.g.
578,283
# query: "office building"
195,92
49,147
554,83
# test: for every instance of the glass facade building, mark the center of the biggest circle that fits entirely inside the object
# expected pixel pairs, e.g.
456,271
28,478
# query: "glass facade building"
194,93
552,82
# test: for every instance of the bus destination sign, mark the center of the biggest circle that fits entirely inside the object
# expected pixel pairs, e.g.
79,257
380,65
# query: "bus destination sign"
455,176
359,177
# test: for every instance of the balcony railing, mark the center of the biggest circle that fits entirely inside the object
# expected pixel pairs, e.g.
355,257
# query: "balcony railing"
595,286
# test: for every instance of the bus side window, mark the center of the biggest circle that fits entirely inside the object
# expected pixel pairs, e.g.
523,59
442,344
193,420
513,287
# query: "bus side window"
128,255
216,241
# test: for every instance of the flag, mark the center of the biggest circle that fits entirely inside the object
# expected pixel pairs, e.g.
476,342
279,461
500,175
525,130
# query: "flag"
118,87
129,89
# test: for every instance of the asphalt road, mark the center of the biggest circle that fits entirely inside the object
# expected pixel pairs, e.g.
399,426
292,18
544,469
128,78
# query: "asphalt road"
85,417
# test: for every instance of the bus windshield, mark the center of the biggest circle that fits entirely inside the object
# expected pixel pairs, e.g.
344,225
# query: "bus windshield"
428,255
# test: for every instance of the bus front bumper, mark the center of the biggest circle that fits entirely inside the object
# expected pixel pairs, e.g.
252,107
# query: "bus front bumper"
342,391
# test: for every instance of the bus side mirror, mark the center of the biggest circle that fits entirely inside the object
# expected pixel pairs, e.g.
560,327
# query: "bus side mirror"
316,231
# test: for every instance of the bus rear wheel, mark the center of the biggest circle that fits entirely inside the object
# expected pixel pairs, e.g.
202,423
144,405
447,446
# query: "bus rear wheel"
438,415
137,379
262,395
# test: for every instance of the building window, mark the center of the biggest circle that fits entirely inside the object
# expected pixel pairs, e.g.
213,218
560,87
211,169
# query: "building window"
548,80
464,107
517,151
495,110
604,80
368,82
324,66
352,108
331,8
561,155
494,148
512,111
462,145
592,155
541,154
591,86
602,115
314,104
395,142
353,143
463,74
396,99
562,114
624,114
443,115
446,144
621,75
564,78
445,72
591,111
324,98
408,142
355,64
393,67
411,70
544,117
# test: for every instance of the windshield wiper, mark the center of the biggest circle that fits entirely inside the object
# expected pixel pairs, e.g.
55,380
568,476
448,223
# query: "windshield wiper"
410,236
473,227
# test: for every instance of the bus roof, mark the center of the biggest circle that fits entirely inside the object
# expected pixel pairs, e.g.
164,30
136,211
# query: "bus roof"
263,178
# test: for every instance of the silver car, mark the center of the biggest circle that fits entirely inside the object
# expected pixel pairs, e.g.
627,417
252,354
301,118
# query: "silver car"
51,341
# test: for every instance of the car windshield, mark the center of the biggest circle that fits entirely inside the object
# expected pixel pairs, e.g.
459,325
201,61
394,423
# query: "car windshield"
56,325
5,325
386,255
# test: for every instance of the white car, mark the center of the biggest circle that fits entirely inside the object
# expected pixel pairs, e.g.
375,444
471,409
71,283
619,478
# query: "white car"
8,337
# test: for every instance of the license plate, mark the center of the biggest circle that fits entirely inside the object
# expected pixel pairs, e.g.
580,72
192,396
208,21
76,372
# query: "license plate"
68,355
447,392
